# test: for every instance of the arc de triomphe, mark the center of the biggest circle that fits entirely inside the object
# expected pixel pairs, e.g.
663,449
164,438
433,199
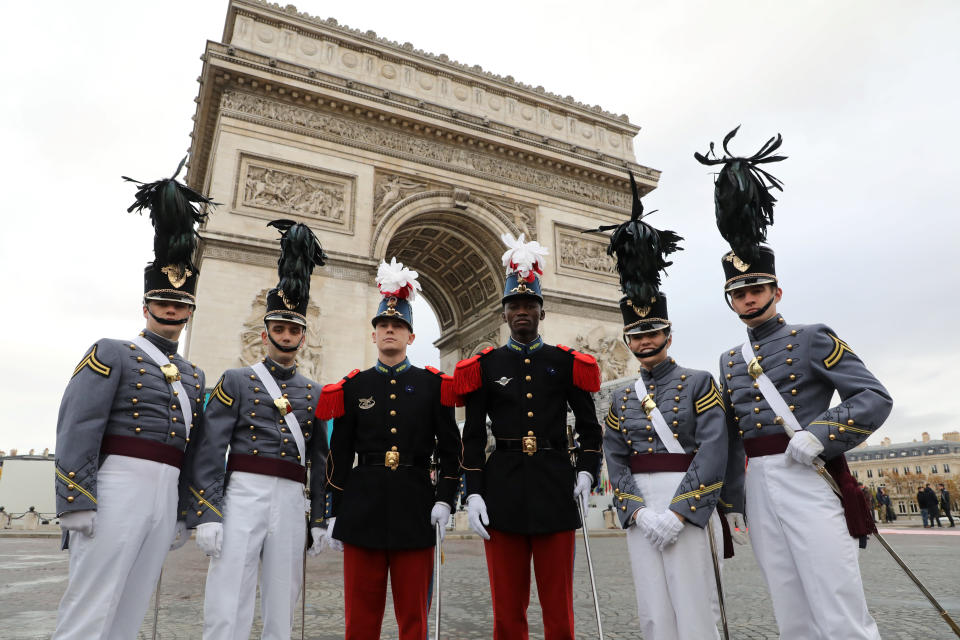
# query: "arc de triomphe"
385,150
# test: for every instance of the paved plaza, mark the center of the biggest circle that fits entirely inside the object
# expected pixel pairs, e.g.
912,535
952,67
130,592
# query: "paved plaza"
33,574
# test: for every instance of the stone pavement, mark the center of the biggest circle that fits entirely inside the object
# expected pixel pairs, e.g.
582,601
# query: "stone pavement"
33,575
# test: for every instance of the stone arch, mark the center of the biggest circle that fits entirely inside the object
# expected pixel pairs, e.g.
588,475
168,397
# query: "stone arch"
452,238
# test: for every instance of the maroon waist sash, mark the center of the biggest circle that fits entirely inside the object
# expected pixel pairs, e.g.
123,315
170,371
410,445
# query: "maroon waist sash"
654,462
143,448
765,445
267,467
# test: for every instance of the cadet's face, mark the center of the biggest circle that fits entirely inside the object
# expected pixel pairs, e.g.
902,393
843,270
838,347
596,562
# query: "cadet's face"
168,311
523,315
287,334
392,336
642,342
747,300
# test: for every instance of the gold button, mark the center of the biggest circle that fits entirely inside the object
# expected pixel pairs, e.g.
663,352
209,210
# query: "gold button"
679,387
199,513
252,427
650,439
841,429
792,407
793,332
139,358
757,398
736,418
283,386
256,401
756,385
393,448
849,423
134,400
136,414
675,423
780,320
693,507
650,450
196,375
676,409
285,395
623,508
622,407
731,351
171,357
527,378
253,377
196,386
526,361
173,406
253,414
393,429
676,398
137,430
741,431
283,454
253,437
793,376
529,414
729,375
529,395
133,346
393,412
756,409
696,496
529,433
756,347
309,386
306,435
730,363
789,347
652,387
676,435
142,371
789,360
702,487
393,382
833,437
625,398
793,392
283,429
176,393
173,419
70,487
683,377
201,492
69,498
255,452
71,474
759,425
393,396
298,457
286,441
649,427
629,441
310,409
257,389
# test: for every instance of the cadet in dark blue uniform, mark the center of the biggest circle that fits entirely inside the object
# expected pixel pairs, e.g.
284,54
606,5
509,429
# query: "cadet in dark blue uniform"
251,518
125,420
525,491
393,417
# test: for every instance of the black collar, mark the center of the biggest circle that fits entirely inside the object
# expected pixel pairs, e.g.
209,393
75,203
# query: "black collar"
395,370
661,372
168,347
525,349
767,329
279,371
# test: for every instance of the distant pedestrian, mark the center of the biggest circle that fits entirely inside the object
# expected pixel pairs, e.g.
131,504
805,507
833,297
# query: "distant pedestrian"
933,506
922,504
883,501
945,503
869,498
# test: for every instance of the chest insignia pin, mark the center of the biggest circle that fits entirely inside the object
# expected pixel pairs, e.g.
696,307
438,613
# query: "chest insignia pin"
503,381
367,403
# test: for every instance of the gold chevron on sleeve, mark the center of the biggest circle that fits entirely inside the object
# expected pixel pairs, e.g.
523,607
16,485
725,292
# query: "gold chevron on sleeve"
697,492
839,348
612,420
90,360
221,395
710,399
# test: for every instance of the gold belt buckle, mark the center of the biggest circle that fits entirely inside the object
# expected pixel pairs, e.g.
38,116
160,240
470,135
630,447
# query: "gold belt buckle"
282,405
392,459
170,372
754,368
529,444
648,404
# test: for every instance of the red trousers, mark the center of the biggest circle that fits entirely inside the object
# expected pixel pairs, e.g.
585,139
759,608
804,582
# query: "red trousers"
365,590
508,563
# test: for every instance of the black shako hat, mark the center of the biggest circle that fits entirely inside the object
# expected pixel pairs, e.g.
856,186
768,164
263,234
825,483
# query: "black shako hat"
174,211
300,252
640,251
744,204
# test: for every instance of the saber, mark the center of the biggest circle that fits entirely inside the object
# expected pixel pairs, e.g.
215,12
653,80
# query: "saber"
586,538
716,574
303,589
818,465
437,562
156,605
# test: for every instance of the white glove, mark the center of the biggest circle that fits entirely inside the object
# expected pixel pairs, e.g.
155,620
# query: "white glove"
180,535
645,519
319,541
477,515
804,447
666,529
582,491
735,521
210,538
84,522
332,542
440,515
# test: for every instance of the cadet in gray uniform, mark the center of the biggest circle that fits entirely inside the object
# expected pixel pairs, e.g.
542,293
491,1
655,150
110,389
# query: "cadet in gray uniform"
665,444
777,383
125,420
252,517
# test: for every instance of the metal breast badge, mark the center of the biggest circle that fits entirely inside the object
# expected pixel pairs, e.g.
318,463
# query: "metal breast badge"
503,381
366,403
282,405
170,372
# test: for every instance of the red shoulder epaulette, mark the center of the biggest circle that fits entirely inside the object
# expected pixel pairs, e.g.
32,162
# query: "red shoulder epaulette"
448,395
586,371
330,403
468,377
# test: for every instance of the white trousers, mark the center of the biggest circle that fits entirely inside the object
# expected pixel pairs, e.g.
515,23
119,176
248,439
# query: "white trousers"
113,574
808,559
676,587
264,528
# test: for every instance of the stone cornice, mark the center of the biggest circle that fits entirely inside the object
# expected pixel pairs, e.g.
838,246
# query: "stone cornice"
291,18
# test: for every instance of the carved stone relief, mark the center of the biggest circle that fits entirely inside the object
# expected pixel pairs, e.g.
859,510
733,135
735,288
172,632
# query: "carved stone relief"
388,189
252,348
583,255
420,149
614,357
524,216
267,188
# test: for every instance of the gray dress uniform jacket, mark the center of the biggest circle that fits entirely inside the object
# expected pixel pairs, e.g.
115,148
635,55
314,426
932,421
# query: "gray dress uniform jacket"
118,390
806,363
692,407
241,415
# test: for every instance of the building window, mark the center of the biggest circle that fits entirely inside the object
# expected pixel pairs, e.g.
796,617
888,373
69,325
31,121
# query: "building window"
913,507
906,471
869,473
918,469
946,468
879,473
933,469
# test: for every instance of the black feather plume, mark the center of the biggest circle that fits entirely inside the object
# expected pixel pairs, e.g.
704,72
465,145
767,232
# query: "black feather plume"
300,251
640,251
173,212
742,195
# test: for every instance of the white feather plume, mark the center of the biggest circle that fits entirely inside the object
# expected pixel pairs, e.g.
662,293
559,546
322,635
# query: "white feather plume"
394,279
523,257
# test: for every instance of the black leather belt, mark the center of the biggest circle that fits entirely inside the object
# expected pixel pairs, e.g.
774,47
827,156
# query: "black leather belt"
394,460
527,444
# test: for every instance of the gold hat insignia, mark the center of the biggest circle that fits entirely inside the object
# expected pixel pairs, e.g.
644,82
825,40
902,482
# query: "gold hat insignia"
176,274
738,264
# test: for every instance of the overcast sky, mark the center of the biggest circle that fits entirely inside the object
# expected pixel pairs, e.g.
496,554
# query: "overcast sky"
865,94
